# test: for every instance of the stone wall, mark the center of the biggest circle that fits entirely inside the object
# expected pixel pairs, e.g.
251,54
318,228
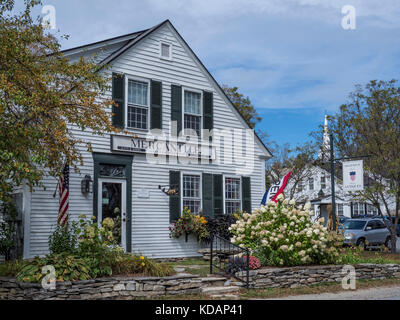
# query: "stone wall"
131,288
104,288
308,275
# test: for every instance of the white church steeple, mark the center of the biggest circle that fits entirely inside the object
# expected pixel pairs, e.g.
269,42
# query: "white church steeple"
324,153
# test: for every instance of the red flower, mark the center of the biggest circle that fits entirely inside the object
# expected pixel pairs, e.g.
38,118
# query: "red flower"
254,263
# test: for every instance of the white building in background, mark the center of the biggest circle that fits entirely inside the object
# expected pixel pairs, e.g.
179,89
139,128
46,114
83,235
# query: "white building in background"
316,188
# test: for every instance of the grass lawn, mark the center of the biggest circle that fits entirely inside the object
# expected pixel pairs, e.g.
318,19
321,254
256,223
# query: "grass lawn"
198,266
369,256
383,256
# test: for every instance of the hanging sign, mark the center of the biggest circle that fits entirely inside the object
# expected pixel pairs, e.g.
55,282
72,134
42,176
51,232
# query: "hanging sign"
353,175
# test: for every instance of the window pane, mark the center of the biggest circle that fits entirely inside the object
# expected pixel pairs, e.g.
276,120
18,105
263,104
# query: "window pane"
300,186
361,208
137,92
232,189
111,170
323,182
232,195
191,186
192,102
137,117
191,193
192,205
232,206
311,183
165,50
193,122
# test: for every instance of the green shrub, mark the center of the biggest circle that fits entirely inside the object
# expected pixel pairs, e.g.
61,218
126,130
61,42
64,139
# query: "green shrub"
11,268
220,225
84,251
64,239
97,245
67,268
282,234
134,264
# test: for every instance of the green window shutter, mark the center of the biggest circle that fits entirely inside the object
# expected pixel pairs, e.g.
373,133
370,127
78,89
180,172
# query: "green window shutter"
208,121
156,105
207,193
118,89
176,106
246,194
218,195
175,200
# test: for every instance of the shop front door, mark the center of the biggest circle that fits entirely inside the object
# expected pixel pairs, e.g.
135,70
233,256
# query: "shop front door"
112,204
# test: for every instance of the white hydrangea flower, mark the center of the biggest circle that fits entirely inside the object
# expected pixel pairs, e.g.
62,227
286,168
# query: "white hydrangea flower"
284,247
307,206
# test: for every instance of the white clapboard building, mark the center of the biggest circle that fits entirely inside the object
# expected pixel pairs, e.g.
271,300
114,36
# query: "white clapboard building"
316,188
159,84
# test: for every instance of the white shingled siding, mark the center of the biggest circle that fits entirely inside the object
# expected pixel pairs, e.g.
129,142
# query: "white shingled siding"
150,217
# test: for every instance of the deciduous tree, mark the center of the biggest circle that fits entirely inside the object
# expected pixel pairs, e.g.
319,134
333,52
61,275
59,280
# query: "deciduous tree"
42,96
369,124
243,105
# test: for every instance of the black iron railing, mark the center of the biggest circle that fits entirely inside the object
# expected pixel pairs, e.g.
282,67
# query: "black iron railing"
229,258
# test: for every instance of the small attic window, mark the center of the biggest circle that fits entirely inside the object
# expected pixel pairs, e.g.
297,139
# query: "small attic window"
165,50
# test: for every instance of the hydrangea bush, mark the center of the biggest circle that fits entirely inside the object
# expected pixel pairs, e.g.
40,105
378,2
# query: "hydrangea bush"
282,234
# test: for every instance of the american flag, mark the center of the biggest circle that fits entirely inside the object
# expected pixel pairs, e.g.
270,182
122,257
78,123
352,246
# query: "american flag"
63,191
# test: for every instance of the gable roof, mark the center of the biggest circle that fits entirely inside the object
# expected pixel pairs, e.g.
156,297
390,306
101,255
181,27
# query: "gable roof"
133,38
101,43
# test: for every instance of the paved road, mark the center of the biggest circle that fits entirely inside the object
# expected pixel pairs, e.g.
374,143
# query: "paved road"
383,293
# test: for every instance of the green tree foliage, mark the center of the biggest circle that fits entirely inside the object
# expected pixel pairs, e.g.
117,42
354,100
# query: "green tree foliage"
243,105
369,124
42,95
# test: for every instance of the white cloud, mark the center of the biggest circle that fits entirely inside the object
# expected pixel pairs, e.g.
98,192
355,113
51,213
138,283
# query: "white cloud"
282,53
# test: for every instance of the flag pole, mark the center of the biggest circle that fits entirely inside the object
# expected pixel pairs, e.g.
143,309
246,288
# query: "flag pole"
55,191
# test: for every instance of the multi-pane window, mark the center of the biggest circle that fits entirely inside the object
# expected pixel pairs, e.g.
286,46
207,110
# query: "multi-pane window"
232,195
191,193
311,183
300,186
358,208
192,112
323,182
372,210
340,209
138,104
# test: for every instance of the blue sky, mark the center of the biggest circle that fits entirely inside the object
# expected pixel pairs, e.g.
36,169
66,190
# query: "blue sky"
291,57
